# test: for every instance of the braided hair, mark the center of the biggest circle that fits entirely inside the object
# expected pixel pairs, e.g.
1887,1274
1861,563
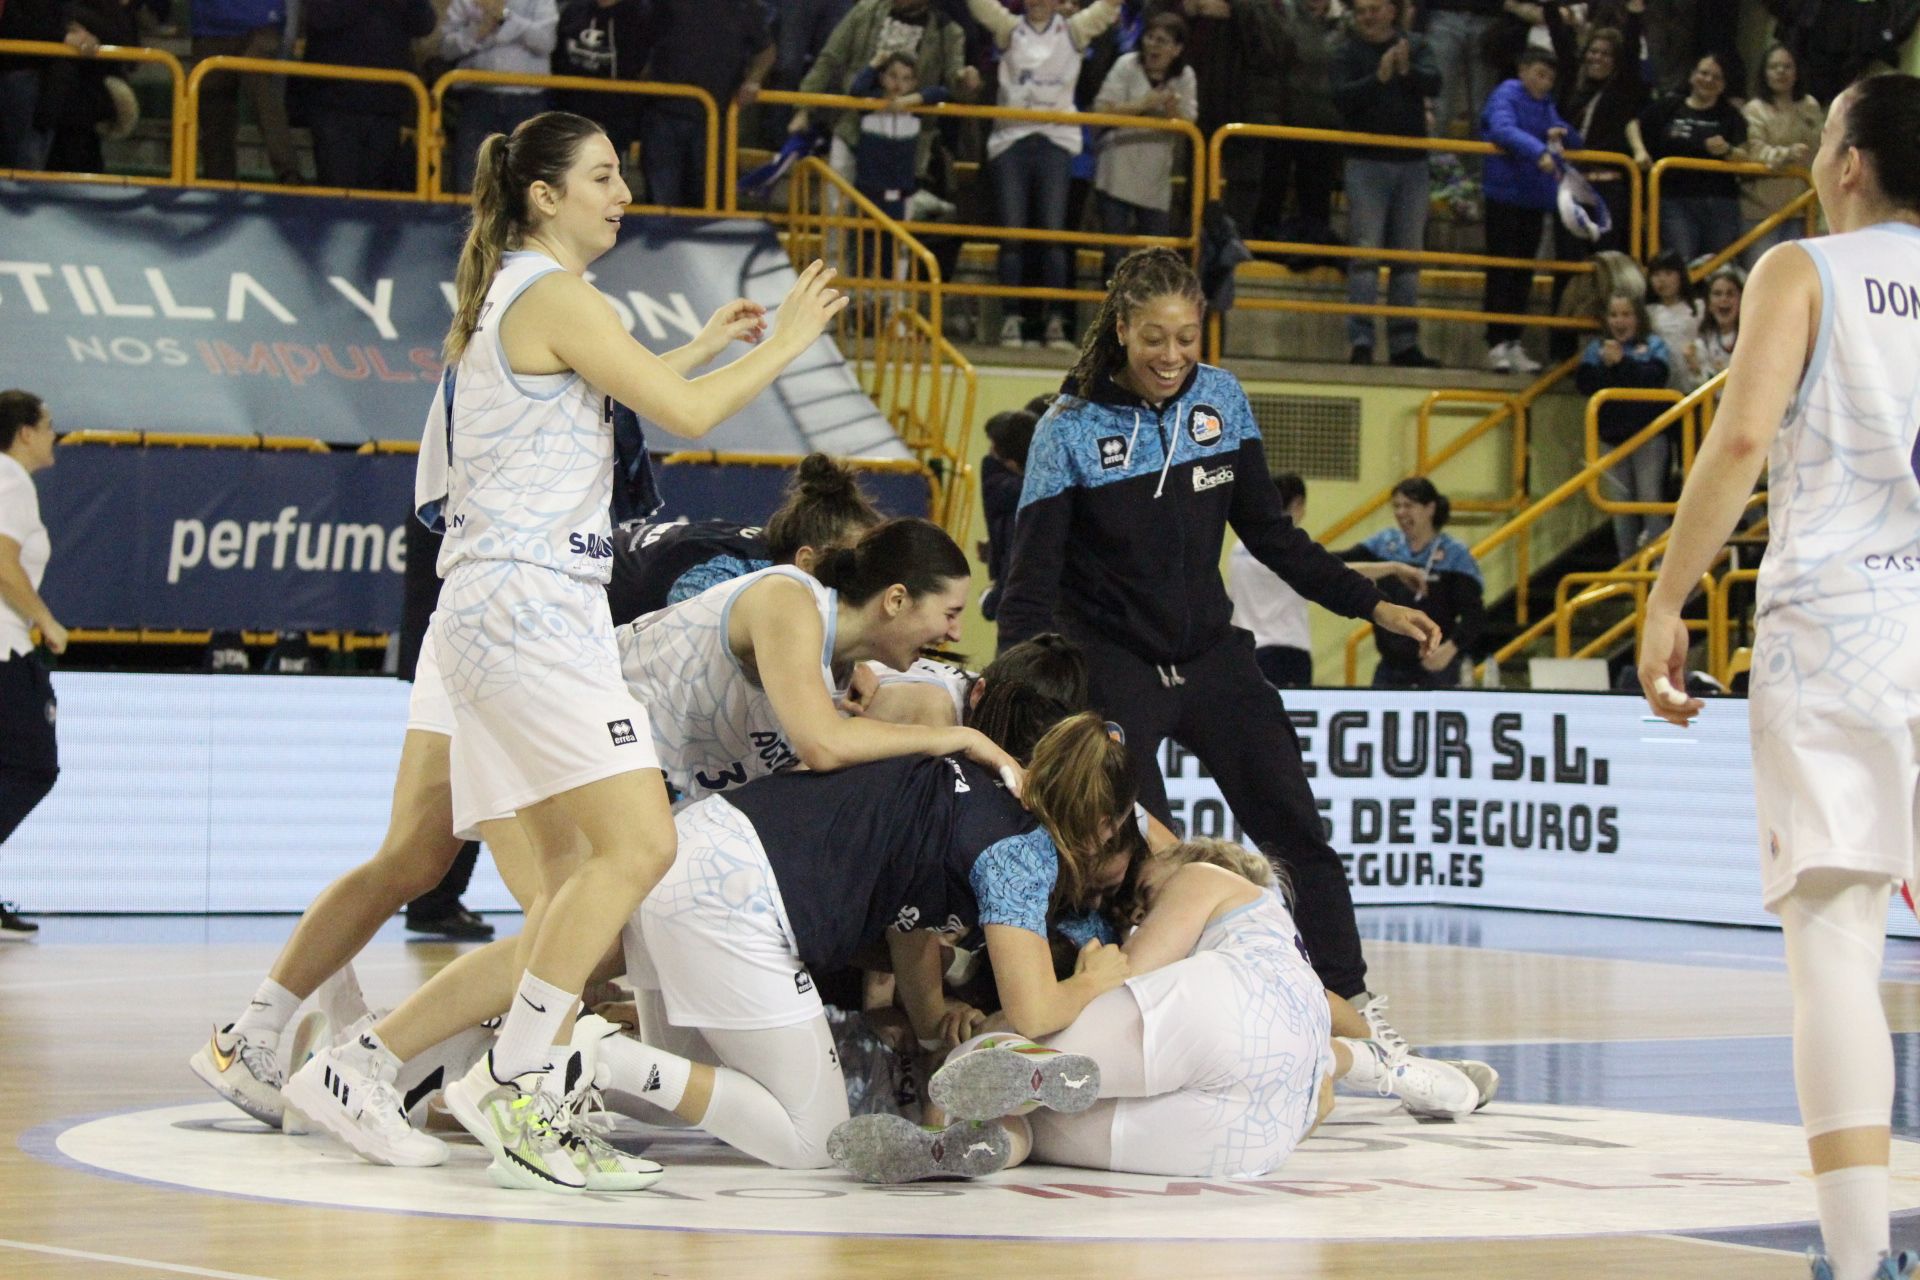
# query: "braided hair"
1142,276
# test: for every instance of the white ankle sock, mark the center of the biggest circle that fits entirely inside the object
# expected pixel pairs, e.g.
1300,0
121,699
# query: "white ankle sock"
1853,1218
526,1037
386,1064
650,1074
270,1010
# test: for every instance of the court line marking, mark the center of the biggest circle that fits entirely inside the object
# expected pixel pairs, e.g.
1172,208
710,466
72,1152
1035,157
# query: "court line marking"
1723,1244
131,979
83,1255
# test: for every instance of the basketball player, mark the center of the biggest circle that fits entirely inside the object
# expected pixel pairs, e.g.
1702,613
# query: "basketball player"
656,565
545,727
240,1060
1824,388
800,871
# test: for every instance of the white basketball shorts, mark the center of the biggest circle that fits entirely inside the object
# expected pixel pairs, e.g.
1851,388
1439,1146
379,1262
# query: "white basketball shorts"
716,932
428,707
1834,710
1235,1050
539,707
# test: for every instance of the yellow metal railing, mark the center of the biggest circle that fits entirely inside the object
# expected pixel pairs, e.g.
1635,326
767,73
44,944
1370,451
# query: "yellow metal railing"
458,79
1805,205
1004,237
120,53
1216,177
891,333
189,131
1575,486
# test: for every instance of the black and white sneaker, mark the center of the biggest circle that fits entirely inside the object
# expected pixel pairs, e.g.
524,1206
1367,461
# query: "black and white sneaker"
12,927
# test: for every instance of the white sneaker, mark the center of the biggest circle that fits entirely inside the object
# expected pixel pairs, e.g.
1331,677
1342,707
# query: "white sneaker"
345,1090
583,1119
1428,1088
1010,333
1500,357
1521,361
1373,1007
422,1078
1056,336
1483,1075
244,1068
516,1123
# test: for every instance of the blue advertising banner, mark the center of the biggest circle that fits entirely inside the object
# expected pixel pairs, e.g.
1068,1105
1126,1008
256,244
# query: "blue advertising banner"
235,313
260,540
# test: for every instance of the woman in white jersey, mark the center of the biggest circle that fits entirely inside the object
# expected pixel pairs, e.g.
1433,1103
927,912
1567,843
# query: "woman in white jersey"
545,727
1823,390
241,1059
1215,1060
29,755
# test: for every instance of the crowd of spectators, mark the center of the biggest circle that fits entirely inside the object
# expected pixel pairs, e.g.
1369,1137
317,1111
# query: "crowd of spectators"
1649,81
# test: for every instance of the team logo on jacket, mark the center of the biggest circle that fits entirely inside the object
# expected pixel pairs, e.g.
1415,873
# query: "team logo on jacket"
1113,452
1204,479
1204,424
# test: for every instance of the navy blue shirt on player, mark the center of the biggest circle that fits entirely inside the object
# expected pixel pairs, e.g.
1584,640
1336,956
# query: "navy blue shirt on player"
655,565
915,842
1123,512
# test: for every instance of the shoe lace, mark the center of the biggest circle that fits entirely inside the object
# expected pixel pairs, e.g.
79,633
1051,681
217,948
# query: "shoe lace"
1384,1034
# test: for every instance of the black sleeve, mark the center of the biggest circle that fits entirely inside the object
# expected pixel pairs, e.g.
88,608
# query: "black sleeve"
1470,613
1260,518
1032,584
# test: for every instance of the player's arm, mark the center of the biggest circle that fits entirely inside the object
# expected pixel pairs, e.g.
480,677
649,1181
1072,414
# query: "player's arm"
781,626
564,320
917,978
1035,1002
1190,897
913,702
1782,310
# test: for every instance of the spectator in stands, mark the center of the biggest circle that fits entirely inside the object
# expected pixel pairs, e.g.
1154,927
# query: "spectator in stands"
875,27
1783,132
1265,605
83,100
1521,188
23,141
1605,97
1032,163
495,35
801,29
722,46
356,126
1382,78
1674,313
886,168
1133,183
1712,348
1002,471
1699,211
1238,52
1629,354
29,755
243,29
1314,30
1452,591
1459,31
603,40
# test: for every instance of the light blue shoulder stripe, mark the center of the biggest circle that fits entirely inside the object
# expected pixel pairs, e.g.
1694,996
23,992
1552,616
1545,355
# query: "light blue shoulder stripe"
499,332
1823,339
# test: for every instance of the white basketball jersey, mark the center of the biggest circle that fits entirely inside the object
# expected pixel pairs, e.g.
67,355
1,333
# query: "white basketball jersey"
1263,928
713,727
1038,71
944,676
530,457
1844,489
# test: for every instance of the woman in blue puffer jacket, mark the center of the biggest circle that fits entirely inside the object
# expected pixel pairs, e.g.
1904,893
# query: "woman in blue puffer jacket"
1522,182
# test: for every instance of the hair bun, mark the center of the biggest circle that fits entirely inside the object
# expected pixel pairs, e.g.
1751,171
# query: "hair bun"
820,475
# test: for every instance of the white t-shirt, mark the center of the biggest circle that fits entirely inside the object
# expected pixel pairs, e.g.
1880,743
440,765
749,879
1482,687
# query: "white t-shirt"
20,520
1264,605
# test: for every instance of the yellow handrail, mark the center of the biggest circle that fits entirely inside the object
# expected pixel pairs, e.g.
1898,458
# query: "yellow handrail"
222,65
1573,486
1633,395
1719,657
584,84
1732,168
121,53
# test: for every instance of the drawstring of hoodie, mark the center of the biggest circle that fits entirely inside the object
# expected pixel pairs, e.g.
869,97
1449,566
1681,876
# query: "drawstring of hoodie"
1172,444
1170,677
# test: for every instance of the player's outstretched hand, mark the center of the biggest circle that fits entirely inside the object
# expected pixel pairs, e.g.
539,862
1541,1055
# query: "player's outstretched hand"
1401,620
808,308
1104,964
1663,668
741,320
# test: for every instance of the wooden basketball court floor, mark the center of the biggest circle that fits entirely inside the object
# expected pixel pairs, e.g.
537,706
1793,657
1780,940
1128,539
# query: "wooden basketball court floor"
1646,1127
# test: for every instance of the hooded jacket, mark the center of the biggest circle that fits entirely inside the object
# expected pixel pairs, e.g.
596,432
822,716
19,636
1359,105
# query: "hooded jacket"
1517,122
1123,514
